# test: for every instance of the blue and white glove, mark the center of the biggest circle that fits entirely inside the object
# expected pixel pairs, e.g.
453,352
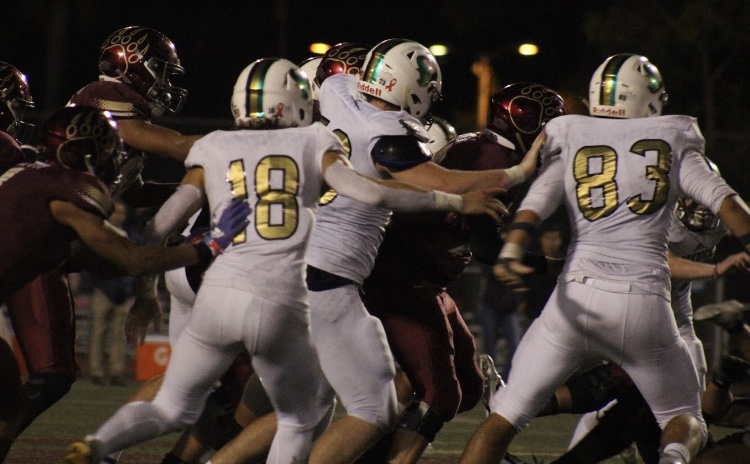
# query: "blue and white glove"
232,221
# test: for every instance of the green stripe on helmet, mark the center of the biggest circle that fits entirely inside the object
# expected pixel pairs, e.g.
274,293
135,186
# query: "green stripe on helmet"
372,67
254,88
608,81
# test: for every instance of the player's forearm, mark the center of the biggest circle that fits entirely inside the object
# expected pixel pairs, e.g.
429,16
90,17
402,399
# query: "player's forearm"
152,260
735,213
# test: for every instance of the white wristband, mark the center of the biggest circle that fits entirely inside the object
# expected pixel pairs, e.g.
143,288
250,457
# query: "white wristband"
515,175
448,201
512,251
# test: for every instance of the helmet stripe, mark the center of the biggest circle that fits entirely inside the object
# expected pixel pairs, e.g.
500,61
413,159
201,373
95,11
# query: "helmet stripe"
372,68
254,89
608,80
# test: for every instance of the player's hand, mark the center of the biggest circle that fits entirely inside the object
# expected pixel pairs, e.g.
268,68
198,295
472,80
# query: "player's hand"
145,310
737,261
531,160
233,220
509,272
484,202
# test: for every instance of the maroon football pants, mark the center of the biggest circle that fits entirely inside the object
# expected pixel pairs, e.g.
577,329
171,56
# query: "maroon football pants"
434,347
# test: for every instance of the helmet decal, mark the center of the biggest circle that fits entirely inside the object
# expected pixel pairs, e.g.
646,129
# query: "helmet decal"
372,68
427,73
609,80
254,89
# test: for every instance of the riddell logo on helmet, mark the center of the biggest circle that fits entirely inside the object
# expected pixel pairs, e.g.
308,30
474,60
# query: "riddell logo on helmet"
608,111
369,89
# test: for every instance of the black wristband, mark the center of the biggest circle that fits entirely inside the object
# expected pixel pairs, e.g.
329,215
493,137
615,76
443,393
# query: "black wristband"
744,240
526,226
204,252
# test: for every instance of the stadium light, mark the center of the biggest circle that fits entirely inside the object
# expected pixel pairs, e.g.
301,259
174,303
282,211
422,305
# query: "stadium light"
319,48
528,49
439,50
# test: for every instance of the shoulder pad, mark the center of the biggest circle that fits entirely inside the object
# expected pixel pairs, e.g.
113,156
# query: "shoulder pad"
399,152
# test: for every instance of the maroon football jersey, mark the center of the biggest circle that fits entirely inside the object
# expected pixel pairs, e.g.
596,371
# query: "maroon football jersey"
10,152
119,99
477,152
431,247
33,241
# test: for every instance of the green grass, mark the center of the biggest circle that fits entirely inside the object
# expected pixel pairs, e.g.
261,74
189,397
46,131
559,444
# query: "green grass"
87,406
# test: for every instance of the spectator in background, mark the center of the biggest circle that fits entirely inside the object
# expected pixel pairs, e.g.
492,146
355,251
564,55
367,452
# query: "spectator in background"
500,310
553,243
507,311
111,300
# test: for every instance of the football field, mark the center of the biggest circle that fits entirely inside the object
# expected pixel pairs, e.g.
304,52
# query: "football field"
88,405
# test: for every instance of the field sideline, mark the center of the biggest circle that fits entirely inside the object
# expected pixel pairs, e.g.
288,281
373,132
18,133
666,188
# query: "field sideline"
88,405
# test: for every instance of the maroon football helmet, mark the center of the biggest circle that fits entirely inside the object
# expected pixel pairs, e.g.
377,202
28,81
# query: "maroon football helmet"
15,97
145,59
342,58
519,111
83,139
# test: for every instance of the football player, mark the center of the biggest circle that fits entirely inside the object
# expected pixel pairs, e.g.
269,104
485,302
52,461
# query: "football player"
262,275
14,98
377,115
137,65
80,153
600,167
422,253
694,234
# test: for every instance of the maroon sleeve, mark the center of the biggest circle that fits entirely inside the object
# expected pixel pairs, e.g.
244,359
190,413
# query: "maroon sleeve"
82,189
119,99
10,152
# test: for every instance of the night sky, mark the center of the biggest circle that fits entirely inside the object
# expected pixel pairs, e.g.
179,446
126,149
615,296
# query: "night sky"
56,43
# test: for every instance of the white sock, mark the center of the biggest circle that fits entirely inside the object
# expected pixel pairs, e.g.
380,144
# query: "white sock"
676,451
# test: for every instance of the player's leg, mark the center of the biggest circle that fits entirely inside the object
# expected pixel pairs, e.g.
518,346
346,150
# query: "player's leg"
357,362
12,397
285,359
186,384
672,393
100,307
420,339
468,371
545,358
118,343
42,318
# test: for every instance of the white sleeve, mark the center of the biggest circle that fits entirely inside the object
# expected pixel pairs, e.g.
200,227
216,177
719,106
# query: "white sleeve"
547,190
350,184
176,211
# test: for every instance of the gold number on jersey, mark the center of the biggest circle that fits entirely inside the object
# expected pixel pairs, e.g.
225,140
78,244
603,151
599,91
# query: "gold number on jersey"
658,174
237,179
277,185
596,189
594,169
331,194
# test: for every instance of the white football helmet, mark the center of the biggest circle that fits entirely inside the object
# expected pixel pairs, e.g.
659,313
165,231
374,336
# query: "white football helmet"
273,89
310,67
441,133
626,86
403,73
695,216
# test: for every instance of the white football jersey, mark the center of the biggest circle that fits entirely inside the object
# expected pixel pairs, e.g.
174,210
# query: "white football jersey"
619,180
347,233
279,173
